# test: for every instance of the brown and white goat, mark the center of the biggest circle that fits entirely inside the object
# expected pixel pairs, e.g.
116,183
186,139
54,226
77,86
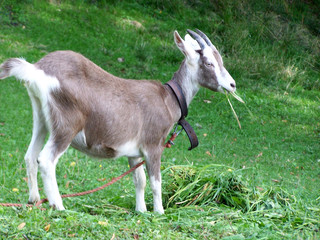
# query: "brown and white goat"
104,116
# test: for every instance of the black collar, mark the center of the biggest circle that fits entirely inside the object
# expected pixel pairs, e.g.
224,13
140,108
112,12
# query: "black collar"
177,90
178,93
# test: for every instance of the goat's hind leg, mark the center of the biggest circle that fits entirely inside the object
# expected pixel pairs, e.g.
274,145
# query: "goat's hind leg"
139,179
39,133
47,161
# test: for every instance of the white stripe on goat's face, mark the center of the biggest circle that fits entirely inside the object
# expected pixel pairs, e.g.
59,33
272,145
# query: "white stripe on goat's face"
212,73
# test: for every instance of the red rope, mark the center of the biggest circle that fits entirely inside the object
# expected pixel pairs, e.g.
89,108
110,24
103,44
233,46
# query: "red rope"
170,141
76,194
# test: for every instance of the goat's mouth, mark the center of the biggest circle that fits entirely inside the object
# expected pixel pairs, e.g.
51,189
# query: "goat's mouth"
223,89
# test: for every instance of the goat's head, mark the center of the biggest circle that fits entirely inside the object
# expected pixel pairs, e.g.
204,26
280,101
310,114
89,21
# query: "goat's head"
206,61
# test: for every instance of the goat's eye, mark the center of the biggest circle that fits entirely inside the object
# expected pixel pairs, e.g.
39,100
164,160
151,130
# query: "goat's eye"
209,64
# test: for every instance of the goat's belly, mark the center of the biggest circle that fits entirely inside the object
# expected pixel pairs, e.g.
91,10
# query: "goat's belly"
128,149
96,151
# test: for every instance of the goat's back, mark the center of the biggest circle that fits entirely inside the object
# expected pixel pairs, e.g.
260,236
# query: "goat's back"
106,106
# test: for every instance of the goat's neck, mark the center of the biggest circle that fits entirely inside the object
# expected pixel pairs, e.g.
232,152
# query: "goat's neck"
187,78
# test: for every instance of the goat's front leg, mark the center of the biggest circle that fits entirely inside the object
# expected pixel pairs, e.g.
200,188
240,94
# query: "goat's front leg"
139,179
153,166
47,161
39,133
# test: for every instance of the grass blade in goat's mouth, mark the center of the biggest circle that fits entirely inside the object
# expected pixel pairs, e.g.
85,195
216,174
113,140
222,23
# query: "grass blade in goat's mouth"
236,97
233,111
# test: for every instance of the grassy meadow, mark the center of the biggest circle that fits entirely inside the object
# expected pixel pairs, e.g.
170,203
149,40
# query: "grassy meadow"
258,182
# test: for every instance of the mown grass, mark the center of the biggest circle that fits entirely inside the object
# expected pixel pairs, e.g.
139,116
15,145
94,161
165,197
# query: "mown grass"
263,179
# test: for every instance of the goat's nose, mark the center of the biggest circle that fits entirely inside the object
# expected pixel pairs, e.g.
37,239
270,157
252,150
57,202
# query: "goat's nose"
233,85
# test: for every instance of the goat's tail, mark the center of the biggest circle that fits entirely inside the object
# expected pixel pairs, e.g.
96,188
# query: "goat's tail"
17,67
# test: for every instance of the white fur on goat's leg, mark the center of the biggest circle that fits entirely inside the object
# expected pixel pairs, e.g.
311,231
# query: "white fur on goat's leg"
48,160
38,136
157,195
139,179
153,166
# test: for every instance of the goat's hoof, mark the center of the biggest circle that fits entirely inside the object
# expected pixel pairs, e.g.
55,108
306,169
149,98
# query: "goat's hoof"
33,200
159,211
57,207
141,210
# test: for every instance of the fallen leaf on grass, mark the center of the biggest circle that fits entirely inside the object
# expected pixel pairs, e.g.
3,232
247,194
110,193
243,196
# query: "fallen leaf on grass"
259,155
102,223
136,24
275,180
102,179
47,228
113,237
260,189
21,225
208,153
15,190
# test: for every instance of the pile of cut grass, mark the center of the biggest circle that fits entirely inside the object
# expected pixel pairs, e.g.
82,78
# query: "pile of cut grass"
190,185
219,184
223,186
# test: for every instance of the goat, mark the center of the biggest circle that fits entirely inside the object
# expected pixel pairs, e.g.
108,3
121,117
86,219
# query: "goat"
104,116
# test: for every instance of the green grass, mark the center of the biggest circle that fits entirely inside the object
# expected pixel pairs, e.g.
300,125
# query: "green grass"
258,182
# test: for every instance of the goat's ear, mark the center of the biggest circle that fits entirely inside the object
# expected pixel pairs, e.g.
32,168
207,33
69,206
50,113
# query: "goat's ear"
179,41
184,47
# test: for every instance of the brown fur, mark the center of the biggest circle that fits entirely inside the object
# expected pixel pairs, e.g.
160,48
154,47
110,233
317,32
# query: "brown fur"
79,105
